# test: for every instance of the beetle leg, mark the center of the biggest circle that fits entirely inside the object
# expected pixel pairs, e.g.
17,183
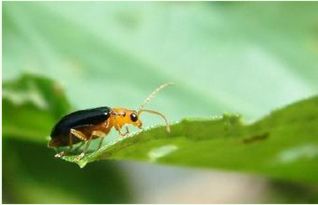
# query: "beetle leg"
88,142
123,134
99,134
79,146
70,141
127,131
78,134
83,137
100,143
59,155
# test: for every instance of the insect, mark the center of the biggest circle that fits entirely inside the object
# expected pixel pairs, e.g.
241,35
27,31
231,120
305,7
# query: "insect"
86,125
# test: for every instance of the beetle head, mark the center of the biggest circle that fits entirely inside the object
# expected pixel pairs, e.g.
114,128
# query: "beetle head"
122,116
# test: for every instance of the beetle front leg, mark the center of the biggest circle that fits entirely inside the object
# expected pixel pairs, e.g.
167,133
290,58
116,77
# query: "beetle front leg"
123,134
127,131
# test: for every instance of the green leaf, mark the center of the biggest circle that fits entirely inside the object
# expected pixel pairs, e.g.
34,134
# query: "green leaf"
31,106
223,57
283,144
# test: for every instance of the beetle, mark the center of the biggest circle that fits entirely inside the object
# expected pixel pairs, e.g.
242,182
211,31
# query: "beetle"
86,125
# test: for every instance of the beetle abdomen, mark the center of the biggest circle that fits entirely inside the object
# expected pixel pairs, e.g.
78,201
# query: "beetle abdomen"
79,119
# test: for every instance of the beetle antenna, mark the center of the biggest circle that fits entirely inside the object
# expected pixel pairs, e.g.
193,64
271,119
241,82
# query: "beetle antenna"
156,113
153,94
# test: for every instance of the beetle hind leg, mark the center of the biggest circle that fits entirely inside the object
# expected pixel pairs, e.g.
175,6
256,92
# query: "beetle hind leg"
70,141
100,143
80,135
79,146
96,133
59,154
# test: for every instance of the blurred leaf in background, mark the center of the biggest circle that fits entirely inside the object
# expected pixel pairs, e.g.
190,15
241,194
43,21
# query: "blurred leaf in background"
291,192
31,105
240,57
31,174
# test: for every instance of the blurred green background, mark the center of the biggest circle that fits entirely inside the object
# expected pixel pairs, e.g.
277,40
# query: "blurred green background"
240,57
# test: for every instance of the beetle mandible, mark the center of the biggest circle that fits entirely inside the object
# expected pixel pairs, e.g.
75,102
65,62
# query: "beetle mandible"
85,125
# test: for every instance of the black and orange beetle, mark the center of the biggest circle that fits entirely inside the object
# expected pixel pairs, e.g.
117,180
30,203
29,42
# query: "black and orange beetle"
85,125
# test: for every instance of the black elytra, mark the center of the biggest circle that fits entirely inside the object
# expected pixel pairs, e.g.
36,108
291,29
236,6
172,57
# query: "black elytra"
80,118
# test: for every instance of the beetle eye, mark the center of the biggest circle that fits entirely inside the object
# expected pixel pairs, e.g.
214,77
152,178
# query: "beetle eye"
133,117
